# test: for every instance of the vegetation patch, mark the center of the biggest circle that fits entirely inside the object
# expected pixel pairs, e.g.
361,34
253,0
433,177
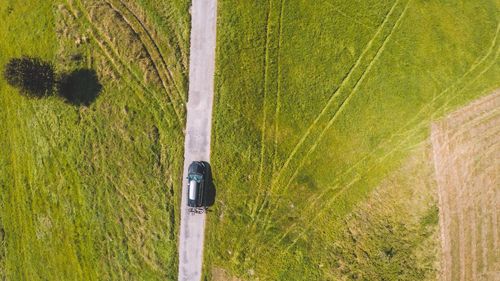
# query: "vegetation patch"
315,106
88,192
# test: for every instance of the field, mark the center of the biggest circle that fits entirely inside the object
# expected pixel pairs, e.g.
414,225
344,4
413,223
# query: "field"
319,105
89,192
466,155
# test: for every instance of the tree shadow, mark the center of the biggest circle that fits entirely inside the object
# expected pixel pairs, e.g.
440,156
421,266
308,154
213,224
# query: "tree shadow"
210,191
80,87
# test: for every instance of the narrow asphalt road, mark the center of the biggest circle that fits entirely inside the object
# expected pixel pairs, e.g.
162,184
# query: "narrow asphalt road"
198,129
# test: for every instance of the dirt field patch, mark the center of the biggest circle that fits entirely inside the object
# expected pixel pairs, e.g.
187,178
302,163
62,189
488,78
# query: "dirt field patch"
466,148
219,274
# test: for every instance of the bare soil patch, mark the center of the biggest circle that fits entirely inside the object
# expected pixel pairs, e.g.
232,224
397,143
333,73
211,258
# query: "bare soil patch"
466,147
219,274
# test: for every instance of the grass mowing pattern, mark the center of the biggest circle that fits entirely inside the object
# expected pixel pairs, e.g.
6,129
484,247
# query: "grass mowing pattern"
315,105
88,193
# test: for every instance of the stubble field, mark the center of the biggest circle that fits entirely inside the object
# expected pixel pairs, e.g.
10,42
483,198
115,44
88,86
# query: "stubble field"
466,157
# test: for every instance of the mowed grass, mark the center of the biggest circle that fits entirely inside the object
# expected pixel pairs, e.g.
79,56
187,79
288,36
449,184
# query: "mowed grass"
91,193
315,105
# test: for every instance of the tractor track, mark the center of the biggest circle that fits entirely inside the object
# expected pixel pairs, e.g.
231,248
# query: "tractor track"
272,50
154,59
158,58
106,45
458,86
277,185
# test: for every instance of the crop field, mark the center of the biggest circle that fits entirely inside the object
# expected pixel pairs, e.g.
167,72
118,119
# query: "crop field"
87,192
467,155
316,107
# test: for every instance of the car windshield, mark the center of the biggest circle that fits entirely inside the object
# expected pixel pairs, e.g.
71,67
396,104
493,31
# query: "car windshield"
196,177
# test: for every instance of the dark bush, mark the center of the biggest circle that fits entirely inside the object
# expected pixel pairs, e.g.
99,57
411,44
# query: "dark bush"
32,76
80,87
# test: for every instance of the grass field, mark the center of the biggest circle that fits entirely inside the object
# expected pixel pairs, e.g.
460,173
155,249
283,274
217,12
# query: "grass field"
88,193
316,104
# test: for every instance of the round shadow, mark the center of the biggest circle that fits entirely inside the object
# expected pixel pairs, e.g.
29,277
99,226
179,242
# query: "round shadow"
80,87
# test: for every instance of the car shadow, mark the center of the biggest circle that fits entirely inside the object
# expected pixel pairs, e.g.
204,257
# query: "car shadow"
210,191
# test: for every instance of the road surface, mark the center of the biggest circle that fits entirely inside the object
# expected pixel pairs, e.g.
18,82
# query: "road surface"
198,128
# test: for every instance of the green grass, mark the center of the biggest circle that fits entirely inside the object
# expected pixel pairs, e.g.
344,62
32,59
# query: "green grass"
89,193
315,105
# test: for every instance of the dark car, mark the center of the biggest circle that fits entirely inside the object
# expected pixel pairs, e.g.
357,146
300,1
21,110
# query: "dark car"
196,184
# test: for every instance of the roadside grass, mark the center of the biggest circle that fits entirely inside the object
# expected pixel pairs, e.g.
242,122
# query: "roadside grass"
90,193
315,105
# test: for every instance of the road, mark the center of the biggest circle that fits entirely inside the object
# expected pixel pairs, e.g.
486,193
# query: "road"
198,129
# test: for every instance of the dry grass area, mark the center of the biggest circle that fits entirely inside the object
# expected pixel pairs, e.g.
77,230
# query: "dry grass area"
467,163
393,234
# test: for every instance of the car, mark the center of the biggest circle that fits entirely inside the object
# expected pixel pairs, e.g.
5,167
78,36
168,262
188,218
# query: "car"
196,185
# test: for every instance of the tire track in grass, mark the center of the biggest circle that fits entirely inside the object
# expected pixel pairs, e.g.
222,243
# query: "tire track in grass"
154,46
350,17
345,188
263,126
173,26
172,37
270,103
357,177
157,118
338,91
455,86
460,86
331,201
278,95
330,103
153,52
316,139
138,90
108,44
